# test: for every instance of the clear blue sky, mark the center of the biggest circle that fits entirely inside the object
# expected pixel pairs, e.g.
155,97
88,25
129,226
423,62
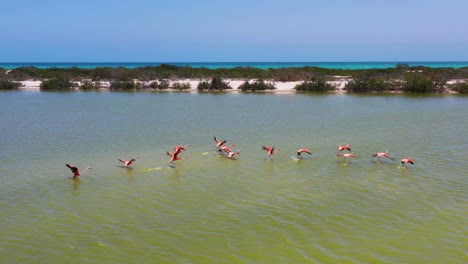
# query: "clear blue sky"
210,30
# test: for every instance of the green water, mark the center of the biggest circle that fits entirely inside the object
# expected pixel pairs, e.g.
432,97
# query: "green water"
209,209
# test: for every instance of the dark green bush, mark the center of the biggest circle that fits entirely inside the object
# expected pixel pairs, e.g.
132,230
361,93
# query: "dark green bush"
9,85
124,85
372,84
246,86
216,84
23,73
258,85
460,87
181,86
162,84
87,85
318,85
59,83
101,73
203,86
420,84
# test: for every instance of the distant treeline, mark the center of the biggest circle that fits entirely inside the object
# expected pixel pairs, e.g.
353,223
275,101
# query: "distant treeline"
400,78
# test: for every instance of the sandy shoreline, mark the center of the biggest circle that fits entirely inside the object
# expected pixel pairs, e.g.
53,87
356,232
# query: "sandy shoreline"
281,87
234,83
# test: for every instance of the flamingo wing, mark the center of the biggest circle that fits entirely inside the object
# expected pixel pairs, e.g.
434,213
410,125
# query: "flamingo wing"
72,168
304,150
224,149
388,156
227,149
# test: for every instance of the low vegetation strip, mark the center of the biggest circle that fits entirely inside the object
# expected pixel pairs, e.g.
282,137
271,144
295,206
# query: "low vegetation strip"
400,78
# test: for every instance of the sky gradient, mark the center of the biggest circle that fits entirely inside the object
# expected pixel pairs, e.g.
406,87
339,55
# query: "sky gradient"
209,30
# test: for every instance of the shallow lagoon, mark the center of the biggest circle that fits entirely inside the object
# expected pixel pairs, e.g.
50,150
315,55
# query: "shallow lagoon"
210,209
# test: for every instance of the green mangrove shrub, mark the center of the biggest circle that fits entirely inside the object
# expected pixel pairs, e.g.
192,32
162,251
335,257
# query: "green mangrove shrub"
24,73
124,85
216,84
420,84
258,85
9,85
101,73
460,87
181,86
316,85
88,85
203,86
372,84
161,84
61,83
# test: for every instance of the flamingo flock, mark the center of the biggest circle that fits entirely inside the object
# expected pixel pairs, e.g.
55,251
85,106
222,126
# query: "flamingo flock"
225,149
175,155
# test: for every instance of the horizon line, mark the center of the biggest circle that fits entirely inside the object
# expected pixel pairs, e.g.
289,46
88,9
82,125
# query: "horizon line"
162,62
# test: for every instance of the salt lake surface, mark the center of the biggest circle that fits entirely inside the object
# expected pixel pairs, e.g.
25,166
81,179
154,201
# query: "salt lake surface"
210,209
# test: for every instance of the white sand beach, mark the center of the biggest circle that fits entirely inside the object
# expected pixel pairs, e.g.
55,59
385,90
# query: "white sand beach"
234,83
30,85
281,87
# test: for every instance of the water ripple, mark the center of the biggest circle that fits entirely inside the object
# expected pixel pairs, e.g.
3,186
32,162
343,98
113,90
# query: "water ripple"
212,209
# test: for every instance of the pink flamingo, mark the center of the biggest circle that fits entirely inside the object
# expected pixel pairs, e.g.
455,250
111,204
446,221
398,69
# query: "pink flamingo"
180,148
270,150
230,154
75,171
127,163
219,143
379,155
341,148
303,150
174,156
407,160
226,149
347,156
